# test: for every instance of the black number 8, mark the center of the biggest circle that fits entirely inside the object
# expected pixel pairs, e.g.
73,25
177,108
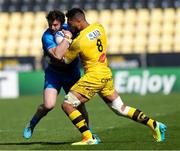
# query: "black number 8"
99,45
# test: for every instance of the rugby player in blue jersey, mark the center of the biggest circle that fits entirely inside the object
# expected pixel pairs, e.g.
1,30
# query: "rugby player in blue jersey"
57,74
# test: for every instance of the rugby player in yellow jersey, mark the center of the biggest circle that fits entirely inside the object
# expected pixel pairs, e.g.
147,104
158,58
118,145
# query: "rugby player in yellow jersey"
91,46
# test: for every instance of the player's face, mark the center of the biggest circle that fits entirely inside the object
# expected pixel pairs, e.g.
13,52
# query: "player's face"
55,25
73,25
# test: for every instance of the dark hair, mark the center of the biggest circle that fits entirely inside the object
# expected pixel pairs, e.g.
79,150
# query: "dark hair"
75,11
55,15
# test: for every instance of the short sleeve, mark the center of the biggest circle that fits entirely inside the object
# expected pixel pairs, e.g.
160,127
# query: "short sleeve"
48,42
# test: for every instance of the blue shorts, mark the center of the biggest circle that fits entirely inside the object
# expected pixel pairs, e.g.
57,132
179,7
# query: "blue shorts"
58,80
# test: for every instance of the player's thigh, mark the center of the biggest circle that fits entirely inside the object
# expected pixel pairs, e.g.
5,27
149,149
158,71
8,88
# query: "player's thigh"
87,86
52,80
108,92
50,97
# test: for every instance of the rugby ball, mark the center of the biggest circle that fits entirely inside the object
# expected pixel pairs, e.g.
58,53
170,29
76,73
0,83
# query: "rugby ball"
59,37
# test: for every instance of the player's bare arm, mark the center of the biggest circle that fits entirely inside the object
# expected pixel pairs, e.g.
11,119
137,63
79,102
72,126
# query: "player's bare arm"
59,51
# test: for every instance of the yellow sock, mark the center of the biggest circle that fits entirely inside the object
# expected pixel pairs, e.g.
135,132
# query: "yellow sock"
78,120
140,117
151,123
131,112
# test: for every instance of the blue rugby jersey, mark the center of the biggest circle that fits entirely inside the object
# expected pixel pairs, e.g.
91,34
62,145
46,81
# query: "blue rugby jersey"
48,41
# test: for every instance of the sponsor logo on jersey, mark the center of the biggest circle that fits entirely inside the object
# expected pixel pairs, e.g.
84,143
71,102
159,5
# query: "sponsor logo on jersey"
94,34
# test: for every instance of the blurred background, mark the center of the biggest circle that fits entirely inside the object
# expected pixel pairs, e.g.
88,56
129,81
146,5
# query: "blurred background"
143,53
143,42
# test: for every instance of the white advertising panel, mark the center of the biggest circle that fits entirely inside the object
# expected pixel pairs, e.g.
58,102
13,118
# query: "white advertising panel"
9,87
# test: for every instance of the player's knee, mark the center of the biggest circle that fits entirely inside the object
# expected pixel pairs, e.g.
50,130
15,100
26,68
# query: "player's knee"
66,106
49,106
71,99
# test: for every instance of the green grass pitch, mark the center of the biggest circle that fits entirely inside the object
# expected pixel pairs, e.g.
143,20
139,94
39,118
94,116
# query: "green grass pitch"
56,132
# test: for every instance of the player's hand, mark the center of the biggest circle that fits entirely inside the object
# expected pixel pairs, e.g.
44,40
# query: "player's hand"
67,34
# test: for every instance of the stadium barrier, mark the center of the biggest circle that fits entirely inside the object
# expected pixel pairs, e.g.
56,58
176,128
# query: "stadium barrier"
150,80
31,83
140,81
9,85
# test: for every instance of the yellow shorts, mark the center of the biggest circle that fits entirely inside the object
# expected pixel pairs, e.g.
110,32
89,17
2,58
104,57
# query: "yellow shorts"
92,83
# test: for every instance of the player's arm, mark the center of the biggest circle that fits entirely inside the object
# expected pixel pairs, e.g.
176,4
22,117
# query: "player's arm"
51,46
59,51
70,55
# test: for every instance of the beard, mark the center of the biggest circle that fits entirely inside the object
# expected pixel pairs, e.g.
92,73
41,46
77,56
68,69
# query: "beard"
74,30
